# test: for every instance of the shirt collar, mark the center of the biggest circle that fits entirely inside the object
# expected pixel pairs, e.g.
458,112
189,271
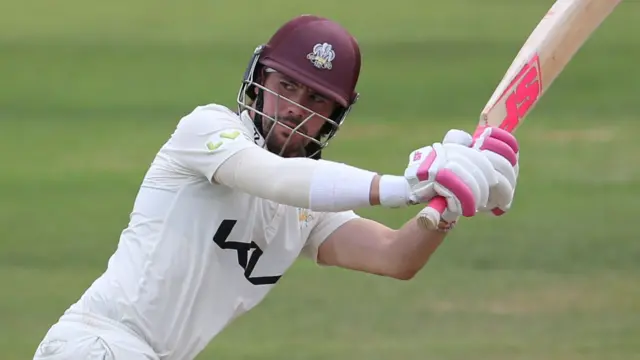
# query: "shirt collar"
247,121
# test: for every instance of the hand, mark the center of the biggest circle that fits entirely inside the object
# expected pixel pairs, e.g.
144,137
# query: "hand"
454,170
502,150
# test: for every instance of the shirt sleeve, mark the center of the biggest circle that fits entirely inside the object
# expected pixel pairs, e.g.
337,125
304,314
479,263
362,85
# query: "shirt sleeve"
325,224
206,138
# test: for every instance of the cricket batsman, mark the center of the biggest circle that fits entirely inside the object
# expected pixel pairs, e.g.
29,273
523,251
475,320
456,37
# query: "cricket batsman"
232,199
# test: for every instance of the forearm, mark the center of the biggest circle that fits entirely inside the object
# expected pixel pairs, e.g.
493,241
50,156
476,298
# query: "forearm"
411,247
369,246
307,183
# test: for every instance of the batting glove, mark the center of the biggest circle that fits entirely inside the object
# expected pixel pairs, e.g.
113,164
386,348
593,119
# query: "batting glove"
454,170
501,148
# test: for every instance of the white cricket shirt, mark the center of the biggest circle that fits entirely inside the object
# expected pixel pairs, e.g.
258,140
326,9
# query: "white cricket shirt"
196,254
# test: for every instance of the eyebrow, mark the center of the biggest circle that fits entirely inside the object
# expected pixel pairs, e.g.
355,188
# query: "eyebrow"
288,79
310,90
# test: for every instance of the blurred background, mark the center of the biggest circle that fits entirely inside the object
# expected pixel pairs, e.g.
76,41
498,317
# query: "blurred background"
90,91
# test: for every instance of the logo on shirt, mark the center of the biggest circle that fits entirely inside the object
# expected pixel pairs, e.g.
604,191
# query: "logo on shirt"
218,139
248,254
304,217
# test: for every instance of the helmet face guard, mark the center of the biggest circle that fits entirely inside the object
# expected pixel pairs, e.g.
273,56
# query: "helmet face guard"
302,50
248,100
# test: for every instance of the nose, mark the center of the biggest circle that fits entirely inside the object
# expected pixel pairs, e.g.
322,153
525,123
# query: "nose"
294,106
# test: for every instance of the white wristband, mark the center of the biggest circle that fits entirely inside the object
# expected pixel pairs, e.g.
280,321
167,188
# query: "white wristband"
394,191
339,187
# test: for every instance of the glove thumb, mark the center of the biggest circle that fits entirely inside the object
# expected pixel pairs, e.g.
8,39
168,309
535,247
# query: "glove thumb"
455,136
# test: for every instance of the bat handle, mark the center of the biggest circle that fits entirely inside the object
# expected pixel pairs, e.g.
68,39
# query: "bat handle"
430,216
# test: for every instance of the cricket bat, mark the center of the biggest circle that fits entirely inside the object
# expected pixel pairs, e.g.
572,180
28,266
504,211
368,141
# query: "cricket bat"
554,41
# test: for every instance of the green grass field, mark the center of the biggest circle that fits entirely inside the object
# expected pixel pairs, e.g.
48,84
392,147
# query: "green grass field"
91,90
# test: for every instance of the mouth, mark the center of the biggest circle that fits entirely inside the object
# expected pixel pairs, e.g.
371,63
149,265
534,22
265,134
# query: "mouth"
291,128
290,124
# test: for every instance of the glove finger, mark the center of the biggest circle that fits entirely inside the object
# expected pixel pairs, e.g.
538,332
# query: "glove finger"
450,216
503,136
480,194
502,166
472,174
423,193
477,158
453,202
455,136
456,186
498,147
502,193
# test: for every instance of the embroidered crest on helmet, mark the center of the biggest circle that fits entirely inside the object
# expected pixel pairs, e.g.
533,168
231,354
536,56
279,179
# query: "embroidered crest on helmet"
322,56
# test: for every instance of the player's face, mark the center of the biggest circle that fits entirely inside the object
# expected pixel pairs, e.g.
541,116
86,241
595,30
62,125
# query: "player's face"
292,115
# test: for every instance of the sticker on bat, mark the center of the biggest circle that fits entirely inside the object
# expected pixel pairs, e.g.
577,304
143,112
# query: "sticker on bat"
522,94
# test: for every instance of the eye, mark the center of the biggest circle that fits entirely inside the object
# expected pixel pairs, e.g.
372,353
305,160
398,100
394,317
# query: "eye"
319,99
287,85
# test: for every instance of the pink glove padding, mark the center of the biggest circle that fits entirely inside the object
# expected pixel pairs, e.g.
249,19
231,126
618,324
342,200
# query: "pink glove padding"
502,149
459,173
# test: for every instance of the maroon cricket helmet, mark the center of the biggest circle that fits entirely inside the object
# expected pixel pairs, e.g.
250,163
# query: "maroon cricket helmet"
316,52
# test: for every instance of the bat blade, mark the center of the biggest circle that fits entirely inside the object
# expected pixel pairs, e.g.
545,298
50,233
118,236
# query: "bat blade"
546,52
544,55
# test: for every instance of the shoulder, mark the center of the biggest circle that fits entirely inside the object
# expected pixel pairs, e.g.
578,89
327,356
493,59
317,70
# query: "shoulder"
210,117
213,123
